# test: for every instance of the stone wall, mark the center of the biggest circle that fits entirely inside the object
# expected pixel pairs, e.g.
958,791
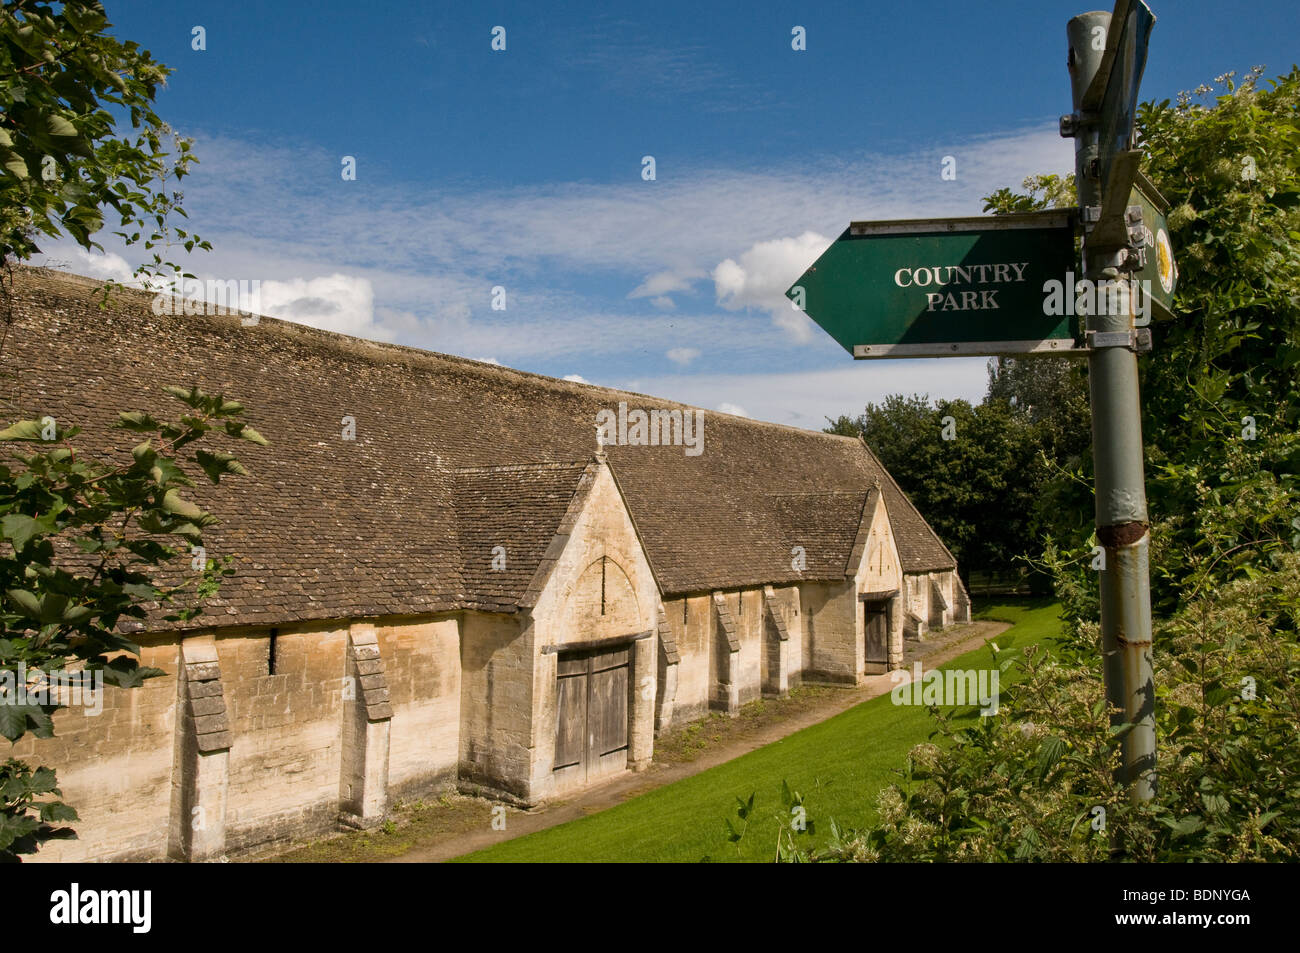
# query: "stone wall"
748,612
230,756
831,650
115,767
285,755
782,640
496,703
691,620
597,589
934,600
422,660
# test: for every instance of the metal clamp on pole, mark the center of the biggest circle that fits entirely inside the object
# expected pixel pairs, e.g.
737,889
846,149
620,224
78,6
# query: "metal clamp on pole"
1075,123
1137,340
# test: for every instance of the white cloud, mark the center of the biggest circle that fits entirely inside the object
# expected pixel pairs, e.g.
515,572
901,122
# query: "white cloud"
762,275
109,266
488,360
335,302
683,355
576,378
733,409
668,238
663,303
667,282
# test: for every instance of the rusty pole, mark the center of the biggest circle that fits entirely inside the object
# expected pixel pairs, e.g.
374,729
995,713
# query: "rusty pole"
1121,506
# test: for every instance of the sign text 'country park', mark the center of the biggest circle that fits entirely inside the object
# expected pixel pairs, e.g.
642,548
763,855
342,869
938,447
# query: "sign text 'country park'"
1003,284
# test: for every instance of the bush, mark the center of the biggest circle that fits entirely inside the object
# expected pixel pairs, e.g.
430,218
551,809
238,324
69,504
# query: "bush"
1036,781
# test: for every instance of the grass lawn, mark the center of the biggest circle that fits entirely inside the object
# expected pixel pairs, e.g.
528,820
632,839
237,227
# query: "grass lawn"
838,766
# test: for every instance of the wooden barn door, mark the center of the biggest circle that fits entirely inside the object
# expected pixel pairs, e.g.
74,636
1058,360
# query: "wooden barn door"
877,629
590,714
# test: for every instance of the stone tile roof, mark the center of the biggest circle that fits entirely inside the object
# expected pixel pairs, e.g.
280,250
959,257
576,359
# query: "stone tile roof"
516,508
824,525
448,452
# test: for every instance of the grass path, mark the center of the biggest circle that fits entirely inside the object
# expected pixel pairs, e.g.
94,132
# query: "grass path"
837,765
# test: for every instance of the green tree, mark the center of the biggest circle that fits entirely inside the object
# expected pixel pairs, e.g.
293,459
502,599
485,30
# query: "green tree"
977,488
87,544
1221,389
66,86
1041,192
1221,419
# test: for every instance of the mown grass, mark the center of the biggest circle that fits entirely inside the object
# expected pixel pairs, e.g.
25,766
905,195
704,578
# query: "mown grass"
837,765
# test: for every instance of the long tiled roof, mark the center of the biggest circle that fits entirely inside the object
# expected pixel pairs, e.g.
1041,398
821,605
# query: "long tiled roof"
449,457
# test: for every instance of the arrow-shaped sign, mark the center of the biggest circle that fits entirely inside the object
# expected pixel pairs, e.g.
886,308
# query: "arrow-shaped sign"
944,287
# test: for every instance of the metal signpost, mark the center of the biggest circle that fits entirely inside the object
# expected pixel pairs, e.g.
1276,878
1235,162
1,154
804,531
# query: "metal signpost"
1105,170
996,285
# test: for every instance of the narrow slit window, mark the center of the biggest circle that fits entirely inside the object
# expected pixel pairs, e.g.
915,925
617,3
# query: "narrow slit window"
602,585
271,648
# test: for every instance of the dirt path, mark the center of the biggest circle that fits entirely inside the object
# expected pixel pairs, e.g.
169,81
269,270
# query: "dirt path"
459,824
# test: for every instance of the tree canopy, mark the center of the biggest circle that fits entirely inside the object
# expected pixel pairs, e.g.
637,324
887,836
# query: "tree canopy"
79,137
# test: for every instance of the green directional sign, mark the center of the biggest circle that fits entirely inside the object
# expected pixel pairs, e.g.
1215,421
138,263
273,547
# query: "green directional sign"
944,287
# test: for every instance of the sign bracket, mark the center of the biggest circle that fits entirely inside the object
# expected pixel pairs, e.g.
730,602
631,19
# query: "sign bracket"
1137,340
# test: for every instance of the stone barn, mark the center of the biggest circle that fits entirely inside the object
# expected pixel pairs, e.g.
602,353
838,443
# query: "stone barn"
449,573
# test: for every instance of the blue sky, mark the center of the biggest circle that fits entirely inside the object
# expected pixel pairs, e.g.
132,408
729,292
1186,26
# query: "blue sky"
522,168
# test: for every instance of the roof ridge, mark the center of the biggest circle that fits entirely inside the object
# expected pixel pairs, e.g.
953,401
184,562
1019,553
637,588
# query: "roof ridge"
832,492
514,467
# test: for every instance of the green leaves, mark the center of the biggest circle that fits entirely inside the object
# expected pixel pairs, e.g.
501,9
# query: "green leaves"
1050,752
49,608
19,718
28,603
245,432
19,528
66,84
216,465
23,430
139,422
90,542
176,505
29,809
59,126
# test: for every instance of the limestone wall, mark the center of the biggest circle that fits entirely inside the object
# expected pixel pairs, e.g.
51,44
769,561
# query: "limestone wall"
272,765
831,643
496,701
284,760
794,621
598,587
422,661
114,767
787,658
746,608
691,619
